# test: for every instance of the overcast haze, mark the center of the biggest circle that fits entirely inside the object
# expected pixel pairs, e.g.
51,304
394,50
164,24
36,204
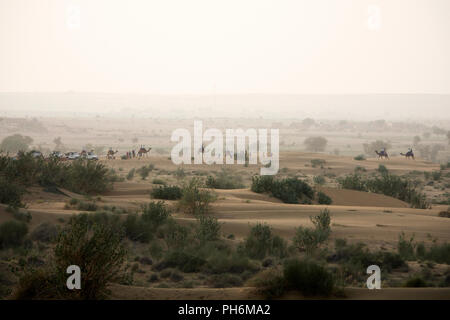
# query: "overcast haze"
214,47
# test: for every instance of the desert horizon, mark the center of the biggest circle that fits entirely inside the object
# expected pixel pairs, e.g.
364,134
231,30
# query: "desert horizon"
224,159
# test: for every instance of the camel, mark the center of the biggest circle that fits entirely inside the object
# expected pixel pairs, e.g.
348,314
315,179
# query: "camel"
142,151
111,154
409,154
382,154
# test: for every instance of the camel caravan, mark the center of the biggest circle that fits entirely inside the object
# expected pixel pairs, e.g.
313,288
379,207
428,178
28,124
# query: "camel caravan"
382,154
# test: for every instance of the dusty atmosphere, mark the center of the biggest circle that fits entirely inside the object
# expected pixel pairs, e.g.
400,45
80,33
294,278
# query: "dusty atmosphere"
99,101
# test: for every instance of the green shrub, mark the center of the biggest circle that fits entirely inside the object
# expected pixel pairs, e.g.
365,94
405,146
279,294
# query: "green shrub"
389,185
226,280
322,198
308,277
179,173
45,232
194,199
175,235
138,230
439,253
167,193
181,260
353,182
11,193
270,284
308,239
319,180
262,184
88,177
317,163
221,262
406,247
382,169
208,228
158,181
415,282
289,190
225,179
24,216
12,233
130,174
97,248
144,171
357,257
92,243
261,242
360,157
444,214
155,213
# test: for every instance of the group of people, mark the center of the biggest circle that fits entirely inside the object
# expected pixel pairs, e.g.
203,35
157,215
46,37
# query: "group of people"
131,154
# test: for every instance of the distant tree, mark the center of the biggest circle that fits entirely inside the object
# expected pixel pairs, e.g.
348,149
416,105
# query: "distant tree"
308,122
369,148
315,144
16,143
438,131
58,143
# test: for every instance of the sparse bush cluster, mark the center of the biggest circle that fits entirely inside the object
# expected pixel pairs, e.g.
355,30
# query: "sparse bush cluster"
289,190
308,239
224,179
81,176
195,199
167,193
387,184
261,243
92,242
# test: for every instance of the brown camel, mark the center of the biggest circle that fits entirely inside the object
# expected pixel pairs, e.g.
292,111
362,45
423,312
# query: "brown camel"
142,151
382,154
111,154
408,155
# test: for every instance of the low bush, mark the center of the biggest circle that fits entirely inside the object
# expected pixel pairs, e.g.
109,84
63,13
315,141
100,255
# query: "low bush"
167,193
195,200
225,179
158,181
308,239
308,277
317,163
130,174
389,185
208,228
155,213
322,198
319,180
226,280
12,233
289,190
181,260
360,157
416,282
45,232
261,243
144,171
270,283
95,244
11,193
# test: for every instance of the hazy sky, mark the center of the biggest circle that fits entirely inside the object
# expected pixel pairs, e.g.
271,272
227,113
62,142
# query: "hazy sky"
225,46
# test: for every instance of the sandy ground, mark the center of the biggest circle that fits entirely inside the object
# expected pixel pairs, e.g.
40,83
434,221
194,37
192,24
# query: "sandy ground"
139,293
371,218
